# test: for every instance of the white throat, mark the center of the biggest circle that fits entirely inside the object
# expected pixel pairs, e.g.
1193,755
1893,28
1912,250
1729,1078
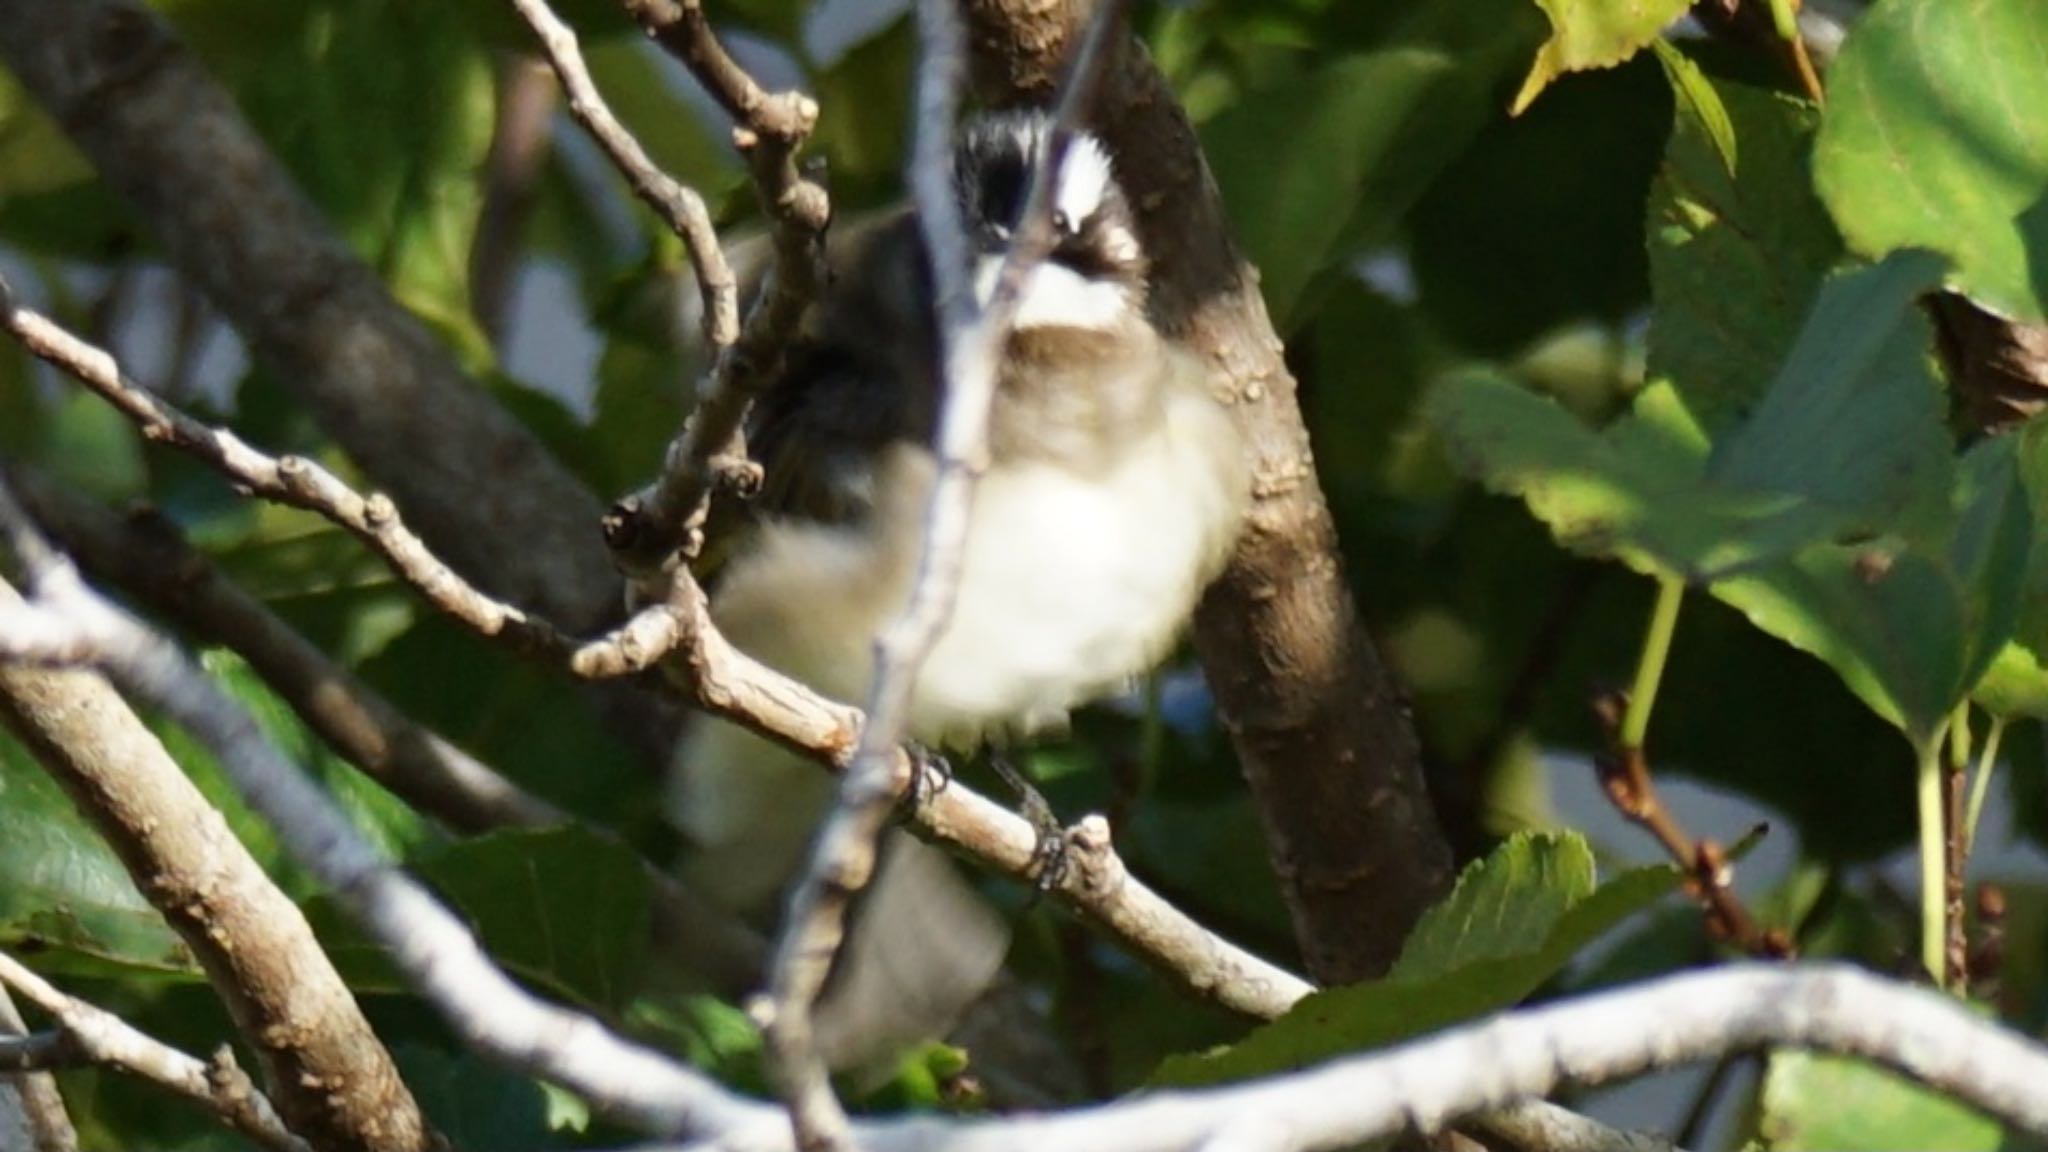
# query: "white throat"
1056,296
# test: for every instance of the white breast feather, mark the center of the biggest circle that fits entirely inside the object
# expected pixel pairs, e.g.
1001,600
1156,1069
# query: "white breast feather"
1070,585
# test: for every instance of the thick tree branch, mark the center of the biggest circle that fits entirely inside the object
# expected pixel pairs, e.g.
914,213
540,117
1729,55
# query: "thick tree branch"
332,1078
88,1035
1319,724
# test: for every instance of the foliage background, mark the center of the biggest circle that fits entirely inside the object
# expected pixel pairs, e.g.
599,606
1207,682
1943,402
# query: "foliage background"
1434,265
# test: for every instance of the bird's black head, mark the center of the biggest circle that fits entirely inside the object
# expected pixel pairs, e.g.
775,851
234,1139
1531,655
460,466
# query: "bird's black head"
1095,274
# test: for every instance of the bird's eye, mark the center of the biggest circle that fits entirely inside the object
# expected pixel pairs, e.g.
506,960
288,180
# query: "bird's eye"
1062,223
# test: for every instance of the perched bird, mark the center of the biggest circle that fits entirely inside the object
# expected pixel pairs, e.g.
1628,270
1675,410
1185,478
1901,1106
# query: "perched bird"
1115,489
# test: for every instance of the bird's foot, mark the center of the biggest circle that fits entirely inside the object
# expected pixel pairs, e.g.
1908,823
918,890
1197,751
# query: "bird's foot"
1049,852
930,774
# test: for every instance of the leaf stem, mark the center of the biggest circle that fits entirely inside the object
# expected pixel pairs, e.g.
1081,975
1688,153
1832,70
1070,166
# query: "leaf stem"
1933,890
1987,759
1642,696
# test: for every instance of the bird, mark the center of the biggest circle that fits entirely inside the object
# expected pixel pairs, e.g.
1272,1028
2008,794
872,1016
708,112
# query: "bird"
1115,488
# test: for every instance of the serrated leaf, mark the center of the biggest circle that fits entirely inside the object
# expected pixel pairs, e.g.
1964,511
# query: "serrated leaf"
1813,1101
1934,139
1910,626
1847,439
1739,245
1513,921
563,907
1853,419
1594,34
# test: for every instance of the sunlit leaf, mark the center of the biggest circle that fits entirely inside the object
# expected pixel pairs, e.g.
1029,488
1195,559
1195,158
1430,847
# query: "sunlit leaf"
1594,34
1511,923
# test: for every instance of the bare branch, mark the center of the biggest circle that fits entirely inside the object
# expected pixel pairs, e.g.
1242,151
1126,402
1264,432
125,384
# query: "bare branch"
1422,1085
1709,875
334,1081
87,1034
724,681
971,339
174,147
290,480
47,1123
681,208
144,554
646,529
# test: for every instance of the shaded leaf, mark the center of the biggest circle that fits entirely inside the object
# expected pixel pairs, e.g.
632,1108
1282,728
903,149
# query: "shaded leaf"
1539,222
1847,439
1513,921
64,895
2017,683
1934,138
1739,244
1812,1101
1307,192
1910,626
563,907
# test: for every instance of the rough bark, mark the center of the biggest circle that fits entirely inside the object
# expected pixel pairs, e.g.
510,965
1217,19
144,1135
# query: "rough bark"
1319,724
332,1079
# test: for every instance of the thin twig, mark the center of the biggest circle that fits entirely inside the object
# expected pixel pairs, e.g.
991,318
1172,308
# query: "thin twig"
646,529
144,555
1625,777
87,1033
680,207
290,480
971,338
722,680
1424,1084
43,1112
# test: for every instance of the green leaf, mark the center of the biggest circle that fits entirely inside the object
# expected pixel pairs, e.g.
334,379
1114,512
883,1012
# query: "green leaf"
476,1104
1739,245
1305,193
1934,138
1594,34
1649,491
64,895
383,819
2017,683
1853,419
1818,1102
1513,921
389,142
565,908
1910,626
